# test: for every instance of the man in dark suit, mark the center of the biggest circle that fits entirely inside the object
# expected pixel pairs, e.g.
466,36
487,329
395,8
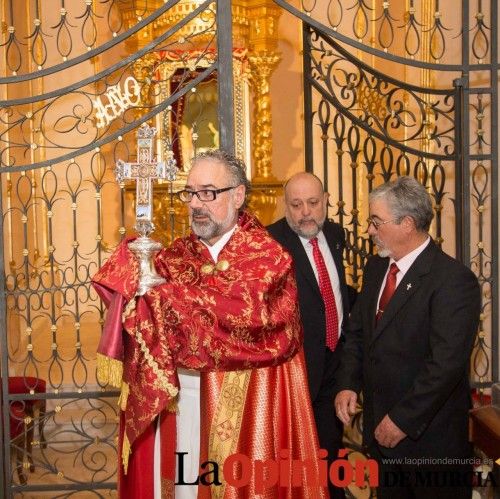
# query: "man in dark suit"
408,343
305,223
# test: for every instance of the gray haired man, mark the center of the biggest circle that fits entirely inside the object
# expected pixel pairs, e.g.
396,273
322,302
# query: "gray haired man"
407,348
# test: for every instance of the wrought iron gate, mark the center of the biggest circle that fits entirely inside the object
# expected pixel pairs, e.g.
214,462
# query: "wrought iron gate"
362,127
79,82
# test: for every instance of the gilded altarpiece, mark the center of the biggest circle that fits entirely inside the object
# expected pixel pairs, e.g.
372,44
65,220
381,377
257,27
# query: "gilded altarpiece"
190,126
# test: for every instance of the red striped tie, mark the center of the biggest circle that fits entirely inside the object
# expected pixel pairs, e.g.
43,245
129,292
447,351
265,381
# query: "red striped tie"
325,287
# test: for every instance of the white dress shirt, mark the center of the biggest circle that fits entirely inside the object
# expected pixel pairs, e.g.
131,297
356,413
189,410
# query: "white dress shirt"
404,265
216,248
330,266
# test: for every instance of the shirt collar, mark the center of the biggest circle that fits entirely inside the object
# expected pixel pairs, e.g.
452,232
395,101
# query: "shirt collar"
319,235
216,248
407,261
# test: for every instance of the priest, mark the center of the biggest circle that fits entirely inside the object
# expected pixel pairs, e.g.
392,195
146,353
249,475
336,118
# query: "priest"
228,309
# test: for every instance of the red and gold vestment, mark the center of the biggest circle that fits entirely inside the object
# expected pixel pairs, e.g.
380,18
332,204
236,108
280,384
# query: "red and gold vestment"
237,322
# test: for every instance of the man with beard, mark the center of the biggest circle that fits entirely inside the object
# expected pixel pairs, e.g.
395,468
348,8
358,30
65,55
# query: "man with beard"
408,344
316,245
228,308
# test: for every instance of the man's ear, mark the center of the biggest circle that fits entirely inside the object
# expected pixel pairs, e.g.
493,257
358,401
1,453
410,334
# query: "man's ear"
326,196
239,195
408,223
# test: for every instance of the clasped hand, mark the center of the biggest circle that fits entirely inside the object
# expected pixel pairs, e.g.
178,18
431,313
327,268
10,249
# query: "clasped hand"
387,433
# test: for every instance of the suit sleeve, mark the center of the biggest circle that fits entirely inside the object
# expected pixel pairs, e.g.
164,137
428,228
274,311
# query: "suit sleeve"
454,315
353,296
350,374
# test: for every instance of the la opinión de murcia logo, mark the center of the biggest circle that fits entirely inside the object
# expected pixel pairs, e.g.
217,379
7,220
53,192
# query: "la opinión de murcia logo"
238,470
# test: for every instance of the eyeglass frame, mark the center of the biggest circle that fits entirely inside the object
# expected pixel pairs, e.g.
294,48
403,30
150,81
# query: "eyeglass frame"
214,193
383,222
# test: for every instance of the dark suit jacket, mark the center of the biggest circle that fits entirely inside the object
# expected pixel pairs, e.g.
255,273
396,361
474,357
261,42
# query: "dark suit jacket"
413,365
312,309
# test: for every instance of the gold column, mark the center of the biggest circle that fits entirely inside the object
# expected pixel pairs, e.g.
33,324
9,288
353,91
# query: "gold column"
428,19
262,66
263,57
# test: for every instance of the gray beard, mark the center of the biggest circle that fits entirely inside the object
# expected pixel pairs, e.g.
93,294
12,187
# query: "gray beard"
382,252
207,230
210,229
305,233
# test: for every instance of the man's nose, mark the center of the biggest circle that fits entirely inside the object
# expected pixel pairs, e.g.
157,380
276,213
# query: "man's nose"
371,230
306,210
195,202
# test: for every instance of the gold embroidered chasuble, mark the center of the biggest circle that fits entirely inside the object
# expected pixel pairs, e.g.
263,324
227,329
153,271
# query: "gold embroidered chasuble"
237,321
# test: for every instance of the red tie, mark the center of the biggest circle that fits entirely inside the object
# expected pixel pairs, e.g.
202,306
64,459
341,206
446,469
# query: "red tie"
389,288
325,287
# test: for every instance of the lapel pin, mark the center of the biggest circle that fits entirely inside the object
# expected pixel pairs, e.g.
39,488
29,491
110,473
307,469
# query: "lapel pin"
408,286
337,246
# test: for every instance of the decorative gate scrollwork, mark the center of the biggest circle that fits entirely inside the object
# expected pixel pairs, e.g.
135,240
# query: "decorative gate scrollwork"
365,126
78,86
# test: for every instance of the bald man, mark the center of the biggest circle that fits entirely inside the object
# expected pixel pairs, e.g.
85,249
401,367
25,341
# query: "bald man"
316,245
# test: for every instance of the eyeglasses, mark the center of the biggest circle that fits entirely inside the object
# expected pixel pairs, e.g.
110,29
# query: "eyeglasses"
378,223
203,195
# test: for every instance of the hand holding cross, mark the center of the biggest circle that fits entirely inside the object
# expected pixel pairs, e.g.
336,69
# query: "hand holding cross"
143,172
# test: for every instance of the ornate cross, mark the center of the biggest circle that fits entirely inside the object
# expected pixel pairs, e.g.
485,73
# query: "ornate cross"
143,172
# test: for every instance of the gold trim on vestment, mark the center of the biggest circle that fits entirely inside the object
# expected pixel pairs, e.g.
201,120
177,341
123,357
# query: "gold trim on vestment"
122,400
129,308
226,425
167,488
161,374
126,451
109,371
